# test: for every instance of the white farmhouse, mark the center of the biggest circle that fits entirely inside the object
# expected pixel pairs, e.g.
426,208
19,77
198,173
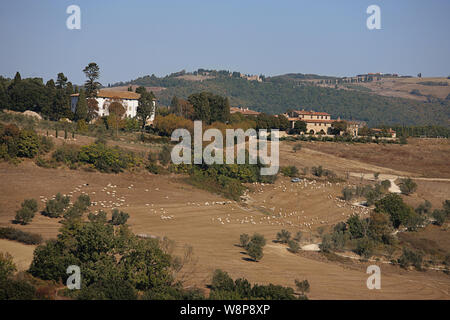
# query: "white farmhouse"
128,99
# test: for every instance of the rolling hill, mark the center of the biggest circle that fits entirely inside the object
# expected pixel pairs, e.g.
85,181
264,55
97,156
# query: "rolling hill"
377,102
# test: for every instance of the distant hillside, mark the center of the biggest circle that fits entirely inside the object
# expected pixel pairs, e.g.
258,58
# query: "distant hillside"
300,76
277,94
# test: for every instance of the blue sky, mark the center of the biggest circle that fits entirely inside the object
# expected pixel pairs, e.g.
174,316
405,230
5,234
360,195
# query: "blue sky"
131,38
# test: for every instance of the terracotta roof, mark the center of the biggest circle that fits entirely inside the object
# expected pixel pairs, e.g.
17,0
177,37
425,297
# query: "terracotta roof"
312,120
118,94
380,130
313,113
115,94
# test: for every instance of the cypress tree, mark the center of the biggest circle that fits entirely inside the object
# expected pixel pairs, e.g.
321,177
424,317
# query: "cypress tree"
81,111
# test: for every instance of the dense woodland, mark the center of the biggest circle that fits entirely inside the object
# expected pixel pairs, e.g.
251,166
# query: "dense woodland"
278,94
51,99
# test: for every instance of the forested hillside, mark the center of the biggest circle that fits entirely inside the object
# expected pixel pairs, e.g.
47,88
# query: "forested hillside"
278,94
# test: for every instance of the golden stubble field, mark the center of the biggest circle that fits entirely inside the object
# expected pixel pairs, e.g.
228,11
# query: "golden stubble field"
165,206
419,158
402,87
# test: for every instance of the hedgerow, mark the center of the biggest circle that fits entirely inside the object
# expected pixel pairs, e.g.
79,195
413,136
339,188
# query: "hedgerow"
19,235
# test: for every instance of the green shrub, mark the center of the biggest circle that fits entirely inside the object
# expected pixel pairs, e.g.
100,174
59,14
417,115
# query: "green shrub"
399,212
16,290
131,124
255,246
107,159
80,206
222,281
258,239
25,143
372,196
255,251
229,187
150,138
244,239
364,247
410,257
223,178
153,168
347,194
152,157
440,216
173,293
320,171
7,266
164,155
272,292
302,286
289,171
283,236
27,211
297,147
339,240
72,213
44,163
326,244
66,153
46,145
380,227
28,144
317,171
356,226
424,208
407,186
340,227
414,221
54,208
446,207
24,216
84,201
110,289
20,236
223,287
50,262
30,204
119,218
386,184
103,253
293,246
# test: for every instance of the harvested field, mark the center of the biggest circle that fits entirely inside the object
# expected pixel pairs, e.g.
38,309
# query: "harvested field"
163,206
420,157
402,87
432,240
22,253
